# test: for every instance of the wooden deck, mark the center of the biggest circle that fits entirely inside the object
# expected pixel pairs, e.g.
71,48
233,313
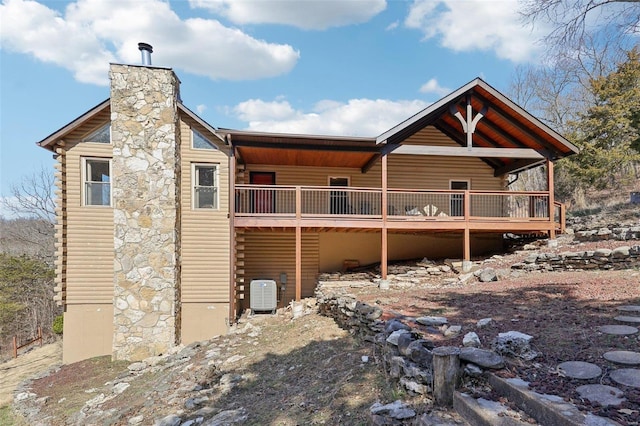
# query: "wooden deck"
384,210
345,208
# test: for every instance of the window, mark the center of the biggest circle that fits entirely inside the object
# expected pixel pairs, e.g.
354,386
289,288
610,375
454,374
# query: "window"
198,141
101,135
97,182
205,189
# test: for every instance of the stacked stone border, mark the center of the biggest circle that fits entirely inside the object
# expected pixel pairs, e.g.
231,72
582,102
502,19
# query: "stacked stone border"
625,257
406,354
618,233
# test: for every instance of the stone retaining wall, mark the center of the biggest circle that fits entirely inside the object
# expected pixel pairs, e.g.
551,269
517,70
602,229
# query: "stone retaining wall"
609,233
406,354
409,362
624,257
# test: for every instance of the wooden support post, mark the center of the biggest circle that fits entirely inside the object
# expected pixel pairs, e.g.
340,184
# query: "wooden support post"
466,240
550,188
298,244
15,346
446,366
384,249
232,234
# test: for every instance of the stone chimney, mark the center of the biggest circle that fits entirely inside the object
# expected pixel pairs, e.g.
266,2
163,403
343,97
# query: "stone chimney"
145,186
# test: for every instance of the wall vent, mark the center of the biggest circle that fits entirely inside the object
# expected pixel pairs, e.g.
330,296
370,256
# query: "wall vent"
263,296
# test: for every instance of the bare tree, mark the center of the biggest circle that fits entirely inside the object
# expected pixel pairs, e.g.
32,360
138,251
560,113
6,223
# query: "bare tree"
574,22
33,196
30,230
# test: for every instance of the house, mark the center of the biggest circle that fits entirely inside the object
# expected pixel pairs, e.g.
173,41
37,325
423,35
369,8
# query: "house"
163,220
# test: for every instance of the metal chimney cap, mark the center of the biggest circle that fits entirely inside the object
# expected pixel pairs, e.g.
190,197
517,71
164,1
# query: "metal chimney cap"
145,50
145,46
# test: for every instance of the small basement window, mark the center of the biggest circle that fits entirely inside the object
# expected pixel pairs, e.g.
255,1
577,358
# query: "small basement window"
97,182
205,189
101,135
199,141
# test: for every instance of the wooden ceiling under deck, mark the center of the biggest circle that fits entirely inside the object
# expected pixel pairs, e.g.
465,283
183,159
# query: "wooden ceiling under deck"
392,226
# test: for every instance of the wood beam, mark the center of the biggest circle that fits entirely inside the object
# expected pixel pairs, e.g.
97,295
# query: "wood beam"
467,234
456,137
369,164
384,248
307,146
469,152
505,116
232,237
516,166
550,188
298,263
298,244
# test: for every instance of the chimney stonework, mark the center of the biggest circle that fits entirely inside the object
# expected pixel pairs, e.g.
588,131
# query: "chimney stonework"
145,134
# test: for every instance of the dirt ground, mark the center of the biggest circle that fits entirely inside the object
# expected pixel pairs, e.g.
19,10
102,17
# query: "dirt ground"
27,365
309,371
562,310
306,371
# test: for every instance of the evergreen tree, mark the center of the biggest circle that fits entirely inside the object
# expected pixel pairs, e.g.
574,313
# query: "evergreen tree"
608,132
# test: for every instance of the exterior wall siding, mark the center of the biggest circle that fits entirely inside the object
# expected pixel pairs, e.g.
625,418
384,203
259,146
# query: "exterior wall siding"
89,234
336,247
268,254
85,254
205,247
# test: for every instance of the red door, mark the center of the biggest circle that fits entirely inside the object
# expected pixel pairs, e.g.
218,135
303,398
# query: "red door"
263,200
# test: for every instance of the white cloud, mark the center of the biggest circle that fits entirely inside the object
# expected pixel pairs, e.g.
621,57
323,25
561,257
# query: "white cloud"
200,109
468,25
357,117
432,86
92,33
307,14
392,26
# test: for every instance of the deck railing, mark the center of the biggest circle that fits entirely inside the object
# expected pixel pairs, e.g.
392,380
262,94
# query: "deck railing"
402,204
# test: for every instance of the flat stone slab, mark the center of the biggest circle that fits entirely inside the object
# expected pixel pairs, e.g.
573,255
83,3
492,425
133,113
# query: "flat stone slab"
620,330
629,308
627,318
580,370
482,357
602,394
623,357
626,376
432,321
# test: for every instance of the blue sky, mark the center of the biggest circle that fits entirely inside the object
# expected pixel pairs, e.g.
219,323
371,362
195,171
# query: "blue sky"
353,67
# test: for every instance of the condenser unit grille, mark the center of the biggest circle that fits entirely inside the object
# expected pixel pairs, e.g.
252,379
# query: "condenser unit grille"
264,295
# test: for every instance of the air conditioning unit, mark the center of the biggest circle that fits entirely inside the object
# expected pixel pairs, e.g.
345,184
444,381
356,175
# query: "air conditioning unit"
264,295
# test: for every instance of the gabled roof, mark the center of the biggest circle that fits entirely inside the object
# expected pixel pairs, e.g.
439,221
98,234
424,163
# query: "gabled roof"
505,124
50,141
507,138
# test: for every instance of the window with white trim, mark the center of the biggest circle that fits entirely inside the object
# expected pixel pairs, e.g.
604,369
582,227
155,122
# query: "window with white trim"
205,186
100,135
199,141
97,182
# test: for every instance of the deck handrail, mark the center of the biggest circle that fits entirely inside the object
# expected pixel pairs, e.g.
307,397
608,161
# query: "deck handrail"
560,210
402,204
